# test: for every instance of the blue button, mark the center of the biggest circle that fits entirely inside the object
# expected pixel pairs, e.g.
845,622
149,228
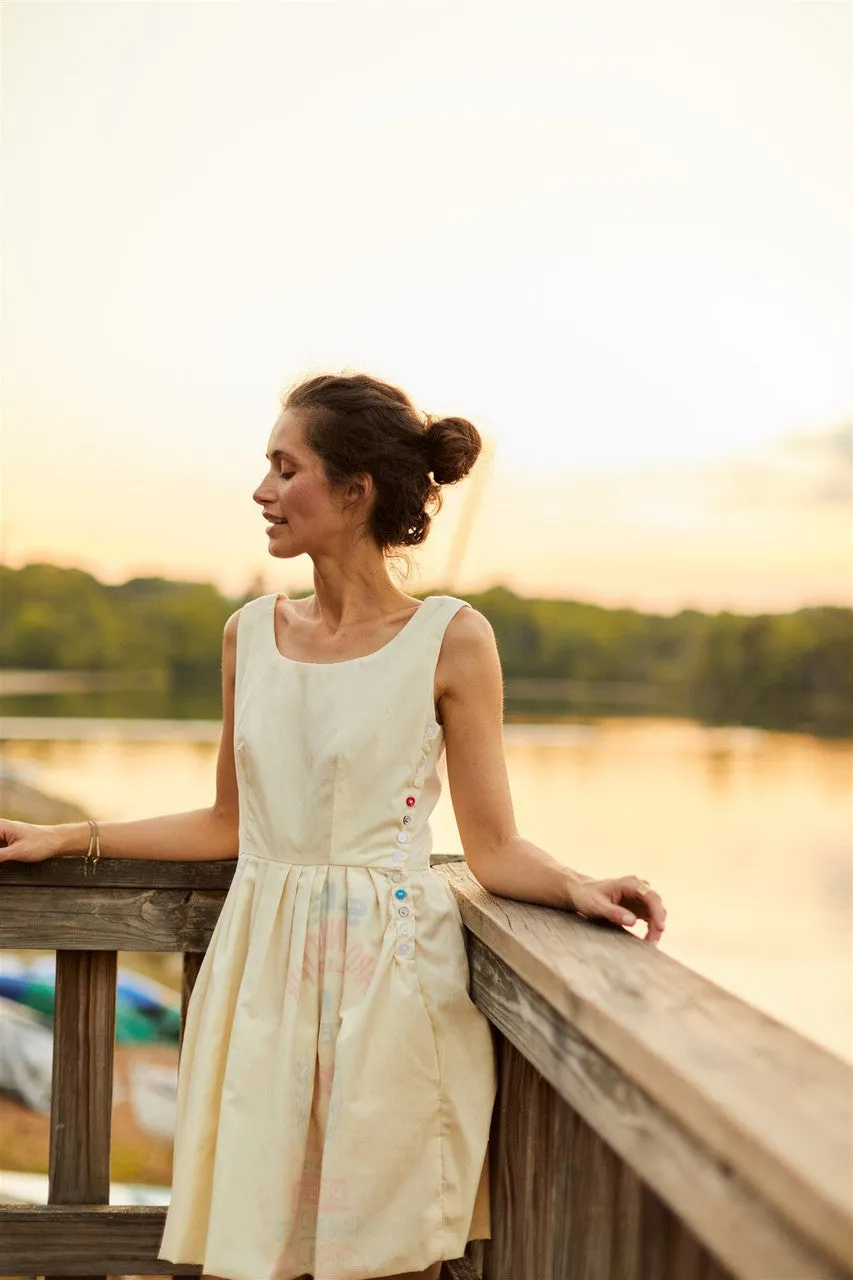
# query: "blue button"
399,893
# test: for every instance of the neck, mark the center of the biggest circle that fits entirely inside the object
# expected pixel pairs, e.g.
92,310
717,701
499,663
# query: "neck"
345,598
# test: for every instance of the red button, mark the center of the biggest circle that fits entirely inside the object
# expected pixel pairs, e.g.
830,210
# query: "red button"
410,800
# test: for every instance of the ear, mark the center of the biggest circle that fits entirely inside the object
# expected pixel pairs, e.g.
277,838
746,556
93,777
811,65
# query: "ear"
359,489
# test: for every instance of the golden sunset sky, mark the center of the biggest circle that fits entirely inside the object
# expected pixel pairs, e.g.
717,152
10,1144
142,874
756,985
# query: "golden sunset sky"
616,237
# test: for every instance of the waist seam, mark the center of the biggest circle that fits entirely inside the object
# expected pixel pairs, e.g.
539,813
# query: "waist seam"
359,866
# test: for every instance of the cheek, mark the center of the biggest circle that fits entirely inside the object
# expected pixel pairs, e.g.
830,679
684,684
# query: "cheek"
300,501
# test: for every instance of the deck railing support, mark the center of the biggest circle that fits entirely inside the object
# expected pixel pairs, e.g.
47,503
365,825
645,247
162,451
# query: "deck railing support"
648,1124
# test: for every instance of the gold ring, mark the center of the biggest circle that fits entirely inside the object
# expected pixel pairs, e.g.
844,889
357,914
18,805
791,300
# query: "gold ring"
643,887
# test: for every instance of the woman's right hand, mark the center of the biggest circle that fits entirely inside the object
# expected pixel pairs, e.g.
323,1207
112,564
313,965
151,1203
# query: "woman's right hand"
26,842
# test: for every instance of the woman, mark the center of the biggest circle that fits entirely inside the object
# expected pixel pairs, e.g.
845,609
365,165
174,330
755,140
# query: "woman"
336,1081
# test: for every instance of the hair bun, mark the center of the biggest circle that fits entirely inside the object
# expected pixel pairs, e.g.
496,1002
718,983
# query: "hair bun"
452,447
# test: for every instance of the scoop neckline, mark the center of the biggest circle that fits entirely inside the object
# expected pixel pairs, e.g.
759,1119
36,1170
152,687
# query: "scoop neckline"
341,662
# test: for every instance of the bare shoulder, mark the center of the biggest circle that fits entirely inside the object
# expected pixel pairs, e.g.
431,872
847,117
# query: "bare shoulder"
229,634
229,642
469,651
469,631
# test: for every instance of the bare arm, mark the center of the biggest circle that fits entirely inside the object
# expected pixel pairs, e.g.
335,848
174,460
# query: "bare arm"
471,708
199,834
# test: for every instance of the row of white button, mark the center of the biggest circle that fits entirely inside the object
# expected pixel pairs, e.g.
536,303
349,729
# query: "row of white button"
405,924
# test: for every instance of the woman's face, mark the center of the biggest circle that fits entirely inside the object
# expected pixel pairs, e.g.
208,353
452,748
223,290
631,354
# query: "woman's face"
295,494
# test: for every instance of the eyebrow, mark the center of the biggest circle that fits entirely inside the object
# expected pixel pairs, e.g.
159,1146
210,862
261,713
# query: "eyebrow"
280,453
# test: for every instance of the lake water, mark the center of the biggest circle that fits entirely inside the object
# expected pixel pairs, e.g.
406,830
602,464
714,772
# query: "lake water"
747,834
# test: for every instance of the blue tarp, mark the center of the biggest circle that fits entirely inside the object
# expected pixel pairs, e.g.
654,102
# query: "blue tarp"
145,1012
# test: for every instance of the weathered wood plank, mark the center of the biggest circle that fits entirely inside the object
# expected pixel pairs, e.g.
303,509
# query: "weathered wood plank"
626,1223
566,1206
123,873
587,1181
522,1199
126,907
667,1249
82,1088
135,873
192,964
109,919
685,1259
723,1070
567,1249
475,1254
460,1269
112,1240
655,1227
716,1203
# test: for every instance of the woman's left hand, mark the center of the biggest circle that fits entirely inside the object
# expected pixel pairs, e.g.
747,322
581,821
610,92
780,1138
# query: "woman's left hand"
624,901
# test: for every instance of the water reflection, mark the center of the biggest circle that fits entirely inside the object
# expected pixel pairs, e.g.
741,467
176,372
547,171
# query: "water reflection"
747,834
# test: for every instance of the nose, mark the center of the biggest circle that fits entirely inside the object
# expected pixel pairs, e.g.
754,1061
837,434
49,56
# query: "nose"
262,494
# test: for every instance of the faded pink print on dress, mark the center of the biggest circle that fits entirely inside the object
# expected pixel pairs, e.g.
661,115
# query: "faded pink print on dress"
319,1230
329,945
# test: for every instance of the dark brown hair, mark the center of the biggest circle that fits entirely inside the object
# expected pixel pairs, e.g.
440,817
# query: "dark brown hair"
357,424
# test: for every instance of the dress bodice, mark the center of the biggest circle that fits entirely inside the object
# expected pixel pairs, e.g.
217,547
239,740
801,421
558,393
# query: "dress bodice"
339,762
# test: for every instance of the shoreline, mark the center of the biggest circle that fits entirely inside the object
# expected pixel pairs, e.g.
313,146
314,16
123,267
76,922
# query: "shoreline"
559,730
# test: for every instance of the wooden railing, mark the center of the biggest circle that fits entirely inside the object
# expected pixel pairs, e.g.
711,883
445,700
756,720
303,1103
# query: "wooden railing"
648,1126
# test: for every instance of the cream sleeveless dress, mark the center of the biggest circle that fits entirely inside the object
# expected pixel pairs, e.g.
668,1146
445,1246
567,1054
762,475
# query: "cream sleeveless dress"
336,1081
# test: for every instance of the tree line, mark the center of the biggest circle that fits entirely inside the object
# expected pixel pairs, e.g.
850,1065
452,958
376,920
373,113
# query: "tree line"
787,671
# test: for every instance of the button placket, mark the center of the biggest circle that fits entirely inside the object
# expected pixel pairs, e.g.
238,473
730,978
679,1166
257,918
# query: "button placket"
402,910
403,914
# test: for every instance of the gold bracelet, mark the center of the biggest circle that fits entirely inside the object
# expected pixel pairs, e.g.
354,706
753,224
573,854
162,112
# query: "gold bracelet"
94,843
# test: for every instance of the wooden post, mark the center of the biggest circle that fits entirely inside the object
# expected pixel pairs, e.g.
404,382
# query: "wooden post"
192,964
82,1090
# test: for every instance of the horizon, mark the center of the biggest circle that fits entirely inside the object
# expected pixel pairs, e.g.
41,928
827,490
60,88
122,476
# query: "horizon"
259,587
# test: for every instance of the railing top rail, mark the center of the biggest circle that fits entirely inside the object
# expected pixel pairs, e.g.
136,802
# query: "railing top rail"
771,1104
120,873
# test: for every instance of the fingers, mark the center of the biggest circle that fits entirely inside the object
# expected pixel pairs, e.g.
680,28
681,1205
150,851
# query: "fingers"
14,843
647,903
653,934
622,902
